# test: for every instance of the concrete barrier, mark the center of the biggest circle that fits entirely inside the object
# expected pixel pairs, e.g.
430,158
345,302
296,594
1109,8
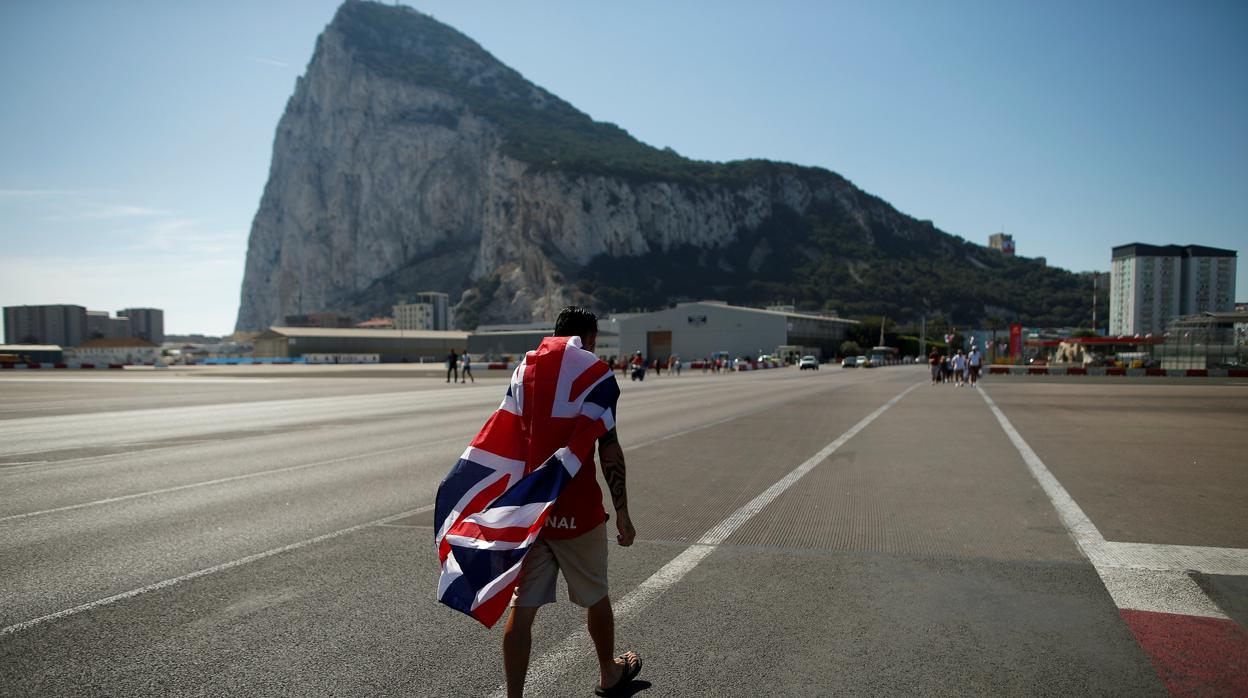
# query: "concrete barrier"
1115,371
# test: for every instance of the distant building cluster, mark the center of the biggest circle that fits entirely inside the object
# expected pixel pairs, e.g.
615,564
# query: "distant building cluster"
1150,285
70,333
431,311
691,331
74,325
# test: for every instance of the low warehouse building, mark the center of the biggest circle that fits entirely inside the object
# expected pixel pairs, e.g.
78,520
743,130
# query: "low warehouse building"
103,351
699,330
31,353
496,342
392,346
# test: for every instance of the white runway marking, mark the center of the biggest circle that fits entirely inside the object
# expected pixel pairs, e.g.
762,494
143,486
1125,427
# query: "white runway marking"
149,381
205,572
1175,558
311,541
550,666
1122,566
34,435
234,478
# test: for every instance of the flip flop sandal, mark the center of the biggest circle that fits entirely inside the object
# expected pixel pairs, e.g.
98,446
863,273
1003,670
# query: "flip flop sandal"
631,670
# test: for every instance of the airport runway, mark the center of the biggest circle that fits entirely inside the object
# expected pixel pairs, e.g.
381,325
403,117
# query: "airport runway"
840,532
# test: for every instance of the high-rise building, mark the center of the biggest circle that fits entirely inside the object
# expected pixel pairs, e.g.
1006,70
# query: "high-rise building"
1208,280
148,323
101,326
1150,284
63,325
1002,242
431,311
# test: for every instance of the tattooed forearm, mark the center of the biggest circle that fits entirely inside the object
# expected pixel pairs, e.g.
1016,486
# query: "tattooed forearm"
614,471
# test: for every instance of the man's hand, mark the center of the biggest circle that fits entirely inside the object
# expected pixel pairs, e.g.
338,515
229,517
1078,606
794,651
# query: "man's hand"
624,525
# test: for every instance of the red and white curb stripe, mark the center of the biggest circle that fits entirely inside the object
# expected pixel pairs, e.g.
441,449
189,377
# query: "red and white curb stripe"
1194,647
41,366
1103,371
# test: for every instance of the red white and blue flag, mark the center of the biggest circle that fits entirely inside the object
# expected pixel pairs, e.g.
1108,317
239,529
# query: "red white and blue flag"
493,504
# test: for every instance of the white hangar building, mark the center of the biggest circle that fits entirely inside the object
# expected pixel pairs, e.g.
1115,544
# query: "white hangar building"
697,330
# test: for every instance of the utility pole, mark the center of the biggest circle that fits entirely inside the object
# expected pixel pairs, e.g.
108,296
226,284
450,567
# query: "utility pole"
1095,276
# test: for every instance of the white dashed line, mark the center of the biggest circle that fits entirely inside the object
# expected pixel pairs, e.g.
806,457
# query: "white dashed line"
219,481
205,572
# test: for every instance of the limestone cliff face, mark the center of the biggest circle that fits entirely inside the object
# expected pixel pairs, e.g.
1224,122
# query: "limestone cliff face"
369,178
409,159
380,187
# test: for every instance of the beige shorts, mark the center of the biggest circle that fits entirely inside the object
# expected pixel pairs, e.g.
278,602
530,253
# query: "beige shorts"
583,561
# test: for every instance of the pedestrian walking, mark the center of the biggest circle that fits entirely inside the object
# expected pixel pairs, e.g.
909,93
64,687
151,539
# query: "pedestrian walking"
933,361
467,374
959,368
452,366
573,540
973,363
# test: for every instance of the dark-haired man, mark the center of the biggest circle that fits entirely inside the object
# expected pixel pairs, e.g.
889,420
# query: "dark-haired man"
573,540
452,366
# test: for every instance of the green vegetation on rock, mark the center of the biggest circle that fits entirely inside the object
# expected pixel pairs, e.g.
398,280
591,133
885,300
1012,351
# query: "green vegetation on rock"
855,254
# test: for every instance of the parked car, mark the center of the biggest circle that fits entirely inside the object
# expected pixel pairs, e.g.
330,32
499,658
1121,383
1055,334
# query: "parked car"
849,362
808,362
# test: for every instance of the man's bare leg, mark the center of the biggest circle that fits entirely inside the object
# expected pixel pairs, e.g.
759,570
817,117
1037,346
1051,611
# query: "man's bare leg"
517,642
601,623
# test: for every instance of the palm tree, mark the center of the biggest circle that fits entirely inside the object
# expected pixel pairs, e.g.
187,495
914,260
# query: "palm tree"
994,323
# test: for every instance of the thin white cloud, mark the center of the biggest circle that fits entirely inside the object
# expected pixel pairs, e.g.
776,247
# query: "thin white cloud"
268,61
122,211
185,235
104,212
36,193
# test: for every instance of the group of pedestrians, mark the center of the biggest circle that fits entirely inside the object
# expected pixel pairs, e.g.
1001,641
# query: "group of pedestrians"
638,365
716,365
957,368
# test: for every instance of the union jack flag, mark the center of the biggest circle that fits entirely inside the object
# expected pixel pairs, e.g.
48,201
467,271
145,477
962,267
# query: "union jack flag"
493,504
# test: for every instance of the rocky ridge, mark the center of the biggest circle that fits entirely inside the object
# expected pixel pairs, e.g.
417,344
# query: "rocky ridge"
409,159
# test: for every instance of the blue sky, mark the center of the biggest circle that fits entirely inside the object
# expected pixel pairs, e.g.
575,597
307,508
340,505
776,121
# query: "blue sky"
137,135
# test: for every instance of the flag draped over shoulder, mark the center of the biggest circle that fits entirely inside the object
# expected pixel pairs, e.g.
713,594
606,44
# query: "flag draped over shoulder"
493,503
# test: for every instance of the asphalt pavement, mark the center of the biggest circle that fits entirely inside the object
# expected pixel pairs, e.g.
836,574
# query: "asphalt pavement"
839,532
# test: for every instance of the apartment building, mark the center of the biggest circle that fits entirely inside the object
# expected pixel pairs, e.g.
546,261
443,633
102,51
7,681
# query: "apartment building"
1150,284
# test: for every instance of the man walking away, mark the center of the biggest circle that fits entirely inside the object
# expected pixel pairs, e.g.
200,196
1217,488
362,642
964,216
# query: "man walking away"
959,368
933,361
973,363
574,539
467,369
452,366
